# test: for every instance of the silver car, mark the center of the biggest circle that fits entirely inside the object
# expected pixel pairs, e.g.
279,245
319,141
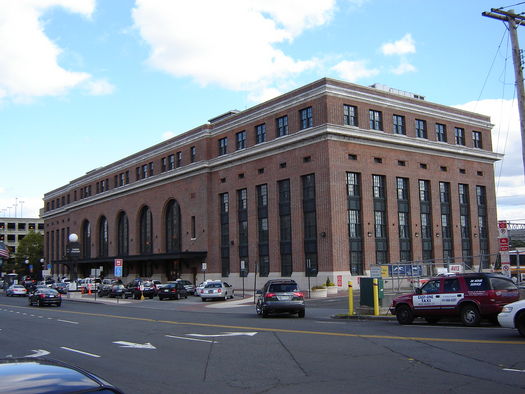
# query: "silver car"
216,289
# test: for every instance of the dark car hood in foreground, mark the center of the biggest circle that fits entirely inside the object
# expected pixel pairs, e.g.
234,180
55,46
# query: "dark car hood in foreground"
32,375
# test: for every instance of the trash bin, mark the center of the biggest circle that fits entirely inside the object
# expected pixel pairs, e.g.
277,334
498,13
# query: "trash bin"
367,291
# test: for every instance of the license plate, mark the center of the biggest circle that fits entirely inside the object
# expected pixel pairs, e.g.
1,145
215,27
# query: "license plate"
210,291
284,298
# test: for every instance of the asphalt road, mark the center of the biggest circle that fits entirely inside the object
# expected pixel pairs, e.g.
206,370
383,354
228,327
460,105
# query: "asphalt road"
223,347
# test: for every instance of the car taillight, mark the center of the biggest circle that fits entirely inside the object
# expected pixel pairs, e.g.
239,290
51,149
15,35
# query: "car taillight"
298,294
42,295
220,290
269,295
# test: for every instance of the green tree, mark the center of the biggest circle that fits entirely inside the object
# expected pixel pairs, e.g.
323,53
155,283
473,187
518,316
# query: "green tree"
30,248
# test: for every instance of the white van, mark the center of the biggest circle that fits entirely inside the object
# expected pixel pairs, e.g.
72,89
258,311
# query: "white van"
85,284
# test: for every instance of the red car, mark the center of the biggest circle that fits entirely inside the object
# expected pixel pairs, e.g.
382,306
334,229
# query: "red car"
467,296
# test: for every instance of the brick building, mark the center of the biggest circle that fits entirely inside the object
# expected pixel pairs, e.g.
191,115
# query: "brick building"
325,181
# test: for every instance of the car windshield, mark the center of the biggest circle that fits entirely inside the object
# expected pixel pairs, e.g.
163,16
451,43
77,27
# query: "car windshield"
213,285
282,287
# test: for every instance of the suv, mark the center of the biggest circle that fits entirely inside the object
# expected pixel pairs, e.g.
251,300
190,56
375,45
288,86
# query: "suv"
469,296
280,295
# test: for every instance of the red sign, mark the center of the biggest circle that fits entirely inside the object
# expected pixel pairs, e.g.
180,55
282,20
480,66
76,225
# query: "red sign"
502,224
339,280
118,262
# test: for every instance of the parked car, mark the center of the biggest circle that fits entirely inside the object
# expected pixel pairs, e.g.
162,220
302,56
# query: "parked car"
16,290
84,285
104,290
45,296
216,289
200,286
117,291
278,296
513,316
173,290
139,288
190,287
467,296
38,375
61,287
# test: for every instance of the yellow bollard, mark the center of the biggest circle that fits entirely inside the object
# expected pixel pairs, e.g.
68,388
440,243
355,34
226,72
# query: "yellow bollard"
376,297
350,298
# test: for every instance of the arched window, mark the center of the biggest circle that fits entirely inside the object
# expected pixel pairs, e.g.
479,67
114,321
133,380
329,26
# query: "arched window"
173,227
103,237
123,234
86,239
146,231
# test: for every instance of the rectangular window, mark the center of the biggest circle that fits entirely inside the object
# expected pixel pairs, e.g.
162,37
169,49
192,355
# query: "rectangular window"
476,139
240,140
150,169
355,232
309,224
399,124
193,154
376,120
464,223
260,133
282,126
441,132
446,221
163,164
224,208
262,227
425,208
380,215
179,159
223,146
421,128
459,133
242,218
285,227
403,213
350,115
305,115
481,198
171,162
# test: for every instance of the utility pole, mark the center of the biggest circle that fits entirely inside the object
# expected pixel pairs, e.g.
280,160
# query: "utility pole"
510,17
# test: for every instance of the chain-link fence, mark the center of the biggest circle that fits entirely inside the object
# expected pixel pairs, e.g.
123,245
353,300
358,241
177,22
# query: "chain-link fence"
411,274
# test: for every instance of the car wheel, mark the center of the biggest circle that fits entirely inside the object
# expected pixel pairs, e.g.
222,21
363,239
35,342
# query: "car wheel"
30,302
470,316
203,299
39,304
404,314
432,320
520,324
258,309
301,313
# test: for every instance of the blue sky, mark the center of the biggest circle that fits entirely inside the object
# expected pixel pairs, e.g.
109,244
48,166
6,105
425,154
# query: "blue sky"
84,83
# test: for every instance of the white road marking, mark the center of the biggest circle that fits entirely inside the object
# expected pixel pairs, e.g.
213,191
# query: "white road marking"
513,370
226,334
79,351
135,345
67,321
192,339
38,353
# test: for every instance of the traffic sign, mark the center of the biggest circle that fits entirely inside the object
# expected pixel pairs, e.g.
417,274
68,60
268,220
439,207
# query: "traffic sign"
119,263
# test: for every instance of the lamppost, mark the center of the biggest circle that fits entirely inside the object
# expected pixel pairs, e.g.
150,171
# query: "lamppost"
42,267
73,252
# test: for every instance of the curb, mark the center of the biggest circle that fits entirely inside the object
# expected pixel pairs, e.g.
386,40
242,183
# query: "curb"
363,317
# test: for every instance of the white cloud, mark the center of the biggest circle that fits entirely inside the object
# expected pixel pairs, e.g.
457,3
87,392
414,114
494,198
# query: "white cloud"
232,43
354,70
403,68
167,135
506,138
99,87
401,47
28,58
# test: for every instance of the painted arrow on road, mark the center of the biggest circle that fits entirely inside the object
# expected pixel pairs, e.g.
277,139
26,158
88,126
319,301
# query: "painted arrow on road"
225,334
135,345
38,353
